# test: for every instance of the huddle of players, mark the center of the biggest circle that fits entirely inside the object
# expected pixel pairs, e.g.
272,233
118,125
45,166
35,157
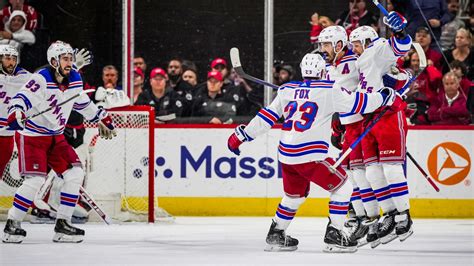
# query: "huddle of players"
348,82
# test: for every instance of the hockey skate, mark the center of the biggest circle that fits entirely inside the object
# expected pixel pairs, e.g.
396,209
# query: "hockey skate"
66,233
358,229
372,236
404,224
386,230
278,241
337,241
13,233
40,216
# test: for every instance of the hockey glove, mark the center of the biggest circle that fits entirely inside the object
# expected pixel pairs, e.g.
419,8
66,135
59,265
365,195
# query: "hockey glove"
107,128
237,138
395,21
337,133
16,120
392,99
82,58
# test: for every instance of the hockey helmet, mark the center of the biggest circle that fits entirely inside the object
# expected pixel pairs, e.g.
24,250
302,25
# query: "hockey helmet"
333,34
8,50
362,34
57,49
313,66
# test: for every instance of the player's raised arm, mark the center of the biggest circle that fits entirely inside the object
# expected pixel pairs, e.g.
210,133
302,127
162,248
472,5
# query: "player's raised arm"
259,125
363,103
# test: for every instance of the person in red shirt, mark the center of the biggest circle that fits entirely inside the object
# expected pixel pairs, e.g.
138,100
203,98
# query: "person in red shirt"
318,23
434,57
450,106
31,14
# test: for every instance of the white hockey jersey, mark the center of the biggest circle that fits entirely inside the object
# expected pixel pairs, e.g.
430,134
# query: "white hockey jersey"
344,72
307,108
9,86
41,92
377,60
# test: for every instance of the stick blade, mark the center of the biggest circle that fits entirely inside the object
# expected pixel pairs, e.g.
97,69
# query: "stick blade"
235,57
421,54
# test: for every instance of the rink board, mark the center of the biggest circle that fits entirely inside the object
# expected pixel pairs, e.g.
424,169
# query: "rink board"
197,175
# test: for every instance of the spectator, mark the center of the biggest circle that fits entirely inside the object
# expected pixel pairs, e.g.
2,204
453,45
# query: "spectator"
470,103
433,57
139,61
15,33
188,64
448,31
317,25
462,52
31,14
163,98
181,87
138,80
110,77
247,106
219,107
460,70
190,76
435,12
450,106
356,16
285,73
110,94
422,91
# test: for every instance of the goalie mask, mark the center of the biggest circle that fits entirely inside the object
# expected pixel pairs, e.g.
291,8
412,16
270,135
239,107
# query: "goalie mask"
7,50
55,51
313,66
362,34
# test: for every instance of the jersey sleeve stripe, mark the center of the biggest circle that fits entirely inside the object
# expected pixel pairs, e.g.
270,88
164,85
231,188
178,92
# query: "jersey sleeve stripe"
80,106
365,103
24,99
398,51
356,103
268,116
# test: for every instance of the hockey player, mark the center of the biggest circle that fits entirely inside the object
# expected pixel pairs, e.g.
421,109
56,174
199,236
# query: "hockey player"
42,144
307,108
342,69
384,146
12,77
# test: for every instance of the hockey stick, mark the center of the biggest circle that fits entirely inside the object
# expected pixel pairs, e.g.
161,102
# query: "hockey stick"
380,6
106,218
235,59
53,107
423,172
402,92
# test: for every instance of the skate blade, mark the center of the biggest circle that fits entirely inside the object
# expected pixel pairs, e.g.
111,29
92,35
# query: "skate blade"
406,235
42,221
388,238
63,238
375,243
277,248
362,242
330,248
367,223
14,239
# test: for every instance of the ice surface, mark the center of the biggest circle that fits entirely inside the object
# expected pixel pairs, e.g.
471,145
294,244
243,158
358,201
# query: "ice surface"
235,241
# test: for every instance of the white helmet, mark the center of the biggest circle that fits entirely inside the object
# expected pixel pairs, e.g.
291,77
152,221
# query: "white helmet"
8,50
313,66
363,33
58,48
333,34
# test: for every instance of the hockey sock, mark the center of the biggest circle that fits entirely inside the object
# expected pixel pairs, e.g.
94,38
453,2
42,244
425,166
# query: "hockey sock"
339,205
355,198
398,185
367,195
376,178
24,197
286,211
70,192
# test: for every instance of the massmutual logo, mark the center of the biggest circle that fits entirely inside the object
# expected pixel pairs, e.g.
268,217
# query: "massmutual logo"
449,163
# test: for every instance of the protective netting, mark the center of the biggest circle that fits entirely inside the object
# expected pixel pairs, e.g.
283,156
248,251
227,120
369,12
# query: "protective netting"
118,171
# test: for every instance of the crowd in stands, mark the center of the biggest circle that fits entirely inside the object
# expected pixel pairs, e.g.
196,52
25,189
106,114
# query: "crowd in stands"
443,94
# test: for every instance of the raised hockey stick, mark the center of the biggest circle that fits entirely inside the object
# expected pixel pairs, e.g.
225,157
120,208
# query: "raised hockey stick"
423,172
380,6
90,201
235,59
402,92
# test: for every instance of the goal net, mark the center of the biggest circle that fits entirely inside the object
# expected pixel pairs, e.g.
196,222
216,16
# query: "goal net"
119,172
